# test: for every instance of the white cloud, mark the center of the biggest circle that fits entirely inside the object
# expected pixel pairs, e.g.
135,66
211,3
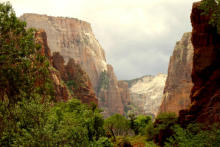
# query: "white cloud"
136,34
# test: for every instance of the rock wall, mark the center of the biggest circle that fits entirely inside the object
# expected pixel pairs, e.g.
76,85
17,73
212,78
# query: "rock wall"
74,38
61,92
146,94
205,94
176,95
69,75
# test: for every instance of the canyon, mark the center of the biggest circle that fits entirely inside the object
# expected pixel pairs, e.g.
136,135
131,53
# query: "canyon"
77,55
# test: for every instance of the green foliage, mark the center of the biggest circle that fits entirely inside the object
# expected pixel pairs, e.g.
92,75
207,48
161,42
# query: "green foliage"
72,84
103,142
162,128
141,124
212,7
32,123
103,81
117,125
27,116
23,71
74,124
123,142
194,135
23,125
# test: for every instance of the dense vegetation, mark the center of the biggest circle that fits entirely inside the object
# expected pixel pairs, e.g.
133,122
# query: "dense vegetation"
30,117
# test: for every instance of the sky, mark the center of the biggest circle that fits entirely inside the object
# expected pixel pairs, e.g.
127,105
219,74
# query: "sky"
138,36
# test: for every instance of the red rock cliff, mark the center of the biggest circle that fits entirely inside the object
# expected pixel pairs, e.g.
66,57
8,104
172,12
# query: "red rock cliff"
176,95
74,38
80,87
60,89
205,95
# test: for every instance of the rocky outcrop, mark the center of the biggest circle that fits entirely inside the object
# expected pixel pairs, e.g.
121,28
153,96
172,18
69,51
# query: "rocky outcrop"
71,75
109,94
176,95
205,94
74,39
125,95
75,78
146,94
61,92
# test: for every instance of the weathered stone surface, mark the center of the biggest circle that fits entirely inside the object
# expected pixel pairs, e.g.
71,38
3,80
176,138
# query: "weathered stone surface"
125,95
109,94
146,94
176,95
75,78
61,74
60,89
205,95
74,38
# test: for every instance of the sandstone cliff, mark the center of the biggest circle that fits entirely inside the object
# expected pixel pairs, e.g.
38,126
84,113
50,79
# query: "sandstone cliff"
61,92
62,75
205,95
176,95
74,38
146,94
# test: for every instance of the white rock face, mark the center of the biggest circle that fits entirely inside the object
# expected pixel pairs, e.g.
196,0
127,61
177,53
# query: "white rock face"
146,93
73,38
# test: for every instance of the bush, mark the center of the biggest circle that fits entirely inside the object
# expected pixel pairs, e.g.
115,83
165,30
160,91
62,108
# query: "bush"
194,135
162,128
117,125
104,142
141,123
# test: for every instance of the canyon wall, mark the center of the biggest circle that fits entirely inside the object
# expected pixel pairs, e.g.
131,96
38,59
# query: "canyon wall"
205,94
74,39
176,95
62,75
61,92
146,94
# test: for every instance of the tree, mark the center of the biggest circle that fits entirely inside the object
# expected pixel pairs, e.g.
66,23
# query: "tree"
194,135
24,72
25,84
28,115
212,7
117,125
141,123
162,128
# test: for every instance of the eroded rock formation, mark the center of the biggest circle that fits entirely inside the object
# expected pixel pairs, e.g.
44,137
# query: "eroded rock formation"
176,95
74,38
146,94
61,92
205,94
71,75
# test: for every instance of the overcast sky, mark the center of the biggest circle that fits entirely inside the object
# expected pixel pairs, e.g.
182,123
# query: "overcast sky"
138,36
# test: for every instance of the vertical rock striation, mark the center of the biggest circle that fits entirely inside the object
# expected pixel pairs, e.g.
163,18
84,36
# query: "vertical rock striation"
176,95
205,94
74,39
61,92
61,74
146,94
